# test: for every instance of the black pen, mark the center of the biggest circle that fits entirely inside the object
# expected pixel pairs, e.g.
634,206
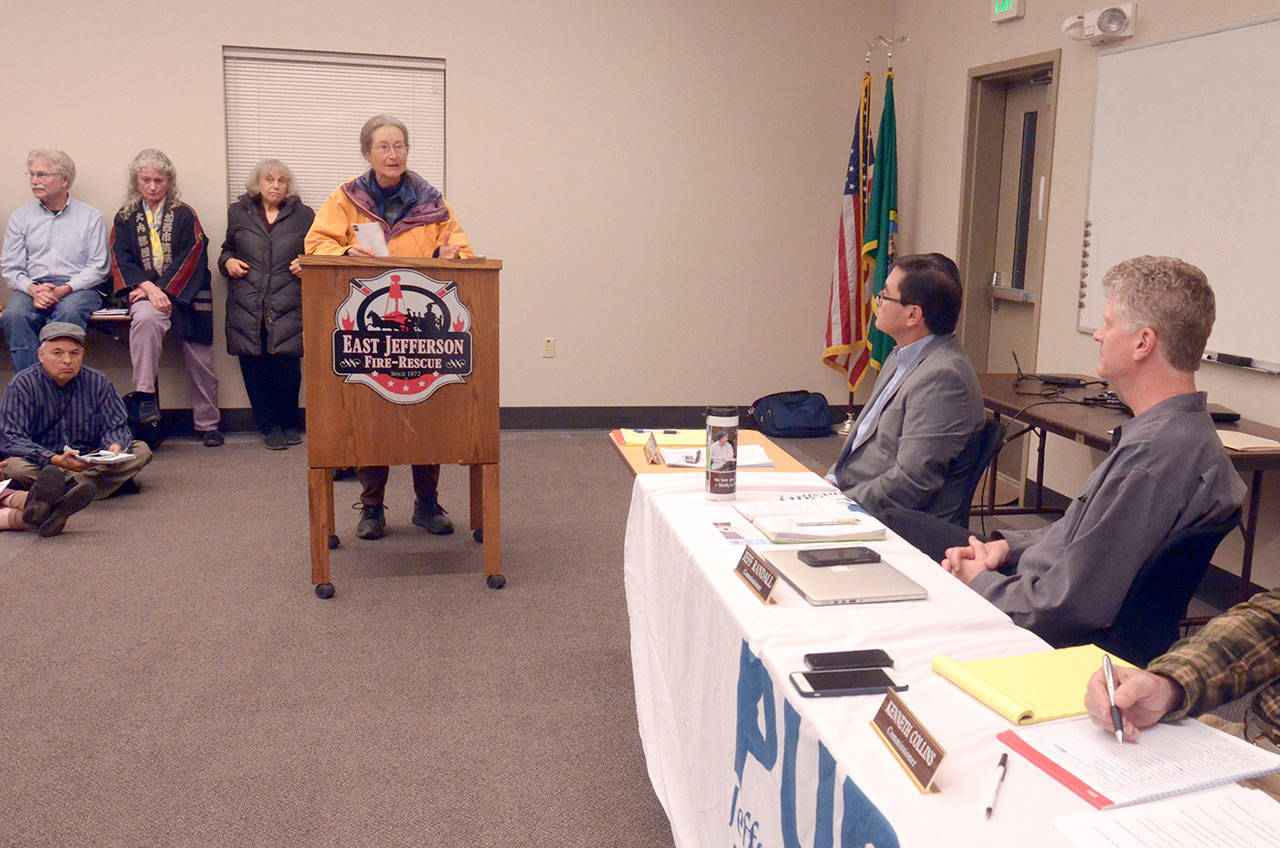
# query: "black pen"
1001,767
1116,721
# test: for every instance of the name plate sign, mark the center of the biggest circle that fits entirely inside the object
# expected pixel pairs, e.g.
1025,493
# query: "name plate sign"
756,572
912,746
652,455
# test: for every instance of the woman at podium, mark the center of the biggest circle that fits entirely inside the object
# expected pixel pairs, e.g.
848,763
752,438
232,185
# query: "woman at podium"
413,220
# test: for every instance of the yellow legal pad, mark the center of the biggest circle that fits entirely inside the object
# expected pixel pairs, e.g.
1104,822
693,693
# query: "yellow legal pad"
664,438
1029,687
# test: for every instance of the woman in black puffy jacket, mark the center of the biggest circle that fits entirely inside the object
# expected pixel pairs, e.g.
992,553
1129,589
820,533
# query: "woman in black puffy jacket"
265,231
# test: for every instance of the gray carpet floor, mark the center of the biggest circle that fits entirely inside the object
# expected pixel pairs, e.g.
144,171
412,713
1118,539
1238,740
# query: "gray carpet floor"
169,678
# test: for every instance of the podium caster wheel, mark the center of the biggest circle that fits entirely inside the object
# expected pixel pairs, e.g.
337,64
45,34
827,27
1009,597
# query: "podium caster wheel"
334,543
478,534
324,591
495,581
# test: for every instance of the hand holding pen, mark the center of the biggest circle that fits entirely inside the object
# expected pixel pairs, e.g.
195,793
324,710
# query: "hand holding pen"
1141,697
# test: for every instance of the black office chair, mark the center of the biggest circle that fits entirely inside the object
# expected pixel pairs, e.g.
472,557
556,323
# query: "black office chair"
983,447
1147,623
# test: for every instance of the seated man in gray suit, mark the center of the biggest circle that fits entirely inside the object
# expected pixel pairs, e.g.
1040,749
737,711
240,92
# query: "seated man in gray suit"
907,448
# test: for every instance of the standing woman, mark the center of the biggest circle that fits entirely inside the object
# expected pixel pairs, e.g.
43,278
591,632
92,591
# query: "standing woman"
266,228
415,221
159,255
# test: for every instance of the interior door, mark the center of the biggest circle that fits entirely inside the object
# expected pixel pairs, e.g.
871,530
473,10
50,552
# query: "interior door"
1018,268
1018,272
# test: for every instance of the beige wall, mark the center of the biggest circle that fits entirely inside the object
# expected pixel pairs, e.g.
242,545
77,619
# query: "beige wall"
947,39
661,179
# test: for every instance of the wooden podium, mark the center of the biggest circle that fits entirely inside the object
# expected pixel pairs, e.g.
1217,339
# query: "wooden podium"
387,342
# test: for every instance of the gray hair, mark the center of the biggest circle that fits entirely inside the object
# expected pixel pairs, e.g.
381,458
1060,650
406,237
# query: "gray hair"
1171,297
265,166
376,123
59,163
150,157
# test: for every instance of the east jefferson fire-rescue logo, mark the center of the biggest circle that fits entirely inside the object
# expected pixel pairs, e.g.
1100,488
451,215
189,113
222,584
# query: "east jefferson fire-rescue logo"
402,334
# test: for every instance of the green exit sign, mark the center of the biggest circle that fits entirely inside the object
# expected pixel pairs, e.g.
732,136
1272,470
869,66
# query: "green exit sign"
1007,10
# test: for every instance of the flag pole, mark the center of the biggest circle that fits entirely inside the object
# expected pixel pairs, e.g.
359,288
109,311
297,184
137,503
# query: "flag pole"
849,308
874,256
846,427
879,247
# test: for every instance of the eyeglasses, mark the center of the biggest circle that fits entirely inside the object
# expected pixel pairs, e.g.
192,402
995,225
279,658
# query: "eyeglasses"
881,296
383,149
41,175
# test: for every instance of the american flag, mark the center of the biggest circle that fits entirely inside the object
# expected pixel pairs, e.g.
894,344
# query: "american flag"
849,309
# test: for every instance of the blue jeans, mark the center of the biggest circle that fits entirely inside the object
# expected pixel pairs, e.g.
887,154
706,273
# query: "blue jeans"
22,321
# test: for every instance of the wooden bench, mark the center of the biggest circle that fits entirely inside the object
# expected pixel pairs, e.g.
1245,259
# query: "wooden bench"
112,322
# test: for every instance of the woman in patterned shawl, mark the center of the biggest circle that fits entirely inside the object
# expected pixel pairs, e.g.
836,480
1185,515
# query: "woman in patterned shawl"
159,255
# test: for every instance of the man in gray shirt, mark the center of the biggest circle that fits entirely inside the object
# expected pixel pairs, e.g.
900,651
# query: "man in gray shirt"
54,257
1166,472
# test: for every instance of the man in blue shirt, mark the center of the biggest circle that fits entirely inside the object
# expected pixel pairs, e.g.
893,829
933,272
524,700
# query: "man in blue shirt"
54,257
54,411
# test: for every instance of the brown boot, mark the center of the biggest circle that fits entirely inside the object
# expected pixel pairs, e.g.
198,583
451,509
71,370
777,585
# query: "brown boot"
45,491
76,498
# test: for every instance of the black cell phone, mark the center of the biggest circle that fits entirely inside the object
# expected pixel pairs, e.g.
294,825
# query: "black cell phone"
829,660
861,681
849,555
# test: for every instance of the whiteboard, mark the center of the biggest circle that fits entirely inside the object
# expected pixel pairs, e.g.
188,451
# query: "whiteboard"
1186,163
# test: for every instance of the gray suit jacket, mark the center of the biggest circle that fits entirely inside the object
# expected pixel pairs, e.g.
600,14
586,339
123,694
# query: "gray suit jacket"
915,456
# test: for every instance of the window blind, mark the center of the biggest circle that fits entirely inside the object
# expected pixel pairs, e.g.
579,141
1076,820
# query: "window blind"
306,108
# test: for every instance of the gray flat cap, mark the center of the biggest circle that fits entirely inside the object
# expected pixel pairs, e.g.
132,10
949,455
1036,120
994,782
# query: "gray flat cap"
60,330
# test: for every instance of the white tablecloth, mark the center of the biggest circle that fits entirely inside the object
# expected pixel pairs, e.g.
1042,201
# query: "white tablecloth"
738,758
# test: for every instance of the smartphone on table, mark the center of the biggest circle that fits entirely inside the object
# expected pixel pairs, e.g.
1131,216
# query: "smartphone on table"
859,681
829,660
848,555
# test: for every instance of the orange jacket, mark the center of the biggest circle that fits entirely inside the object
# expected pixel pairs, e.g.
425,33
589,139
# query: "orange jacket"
331,233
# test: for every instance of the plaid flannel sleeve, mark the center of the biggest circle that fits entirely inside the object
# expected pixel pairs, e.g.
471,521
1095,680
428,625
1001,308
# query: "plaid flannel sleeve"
1233,654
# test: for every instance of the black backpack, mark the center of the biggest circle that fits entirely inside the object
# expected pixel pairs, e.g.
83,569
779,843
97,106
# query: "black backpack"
791,414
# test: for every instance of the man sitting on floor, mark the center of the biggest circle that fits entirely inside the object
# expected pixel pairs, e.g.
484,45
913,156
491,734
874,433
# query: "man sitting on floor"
55,256
56,409
907,448
1166,472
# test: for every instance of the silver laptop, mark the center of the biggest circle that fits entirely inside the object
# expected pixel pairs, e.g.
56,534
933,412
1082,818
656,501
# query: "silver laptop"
864,583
